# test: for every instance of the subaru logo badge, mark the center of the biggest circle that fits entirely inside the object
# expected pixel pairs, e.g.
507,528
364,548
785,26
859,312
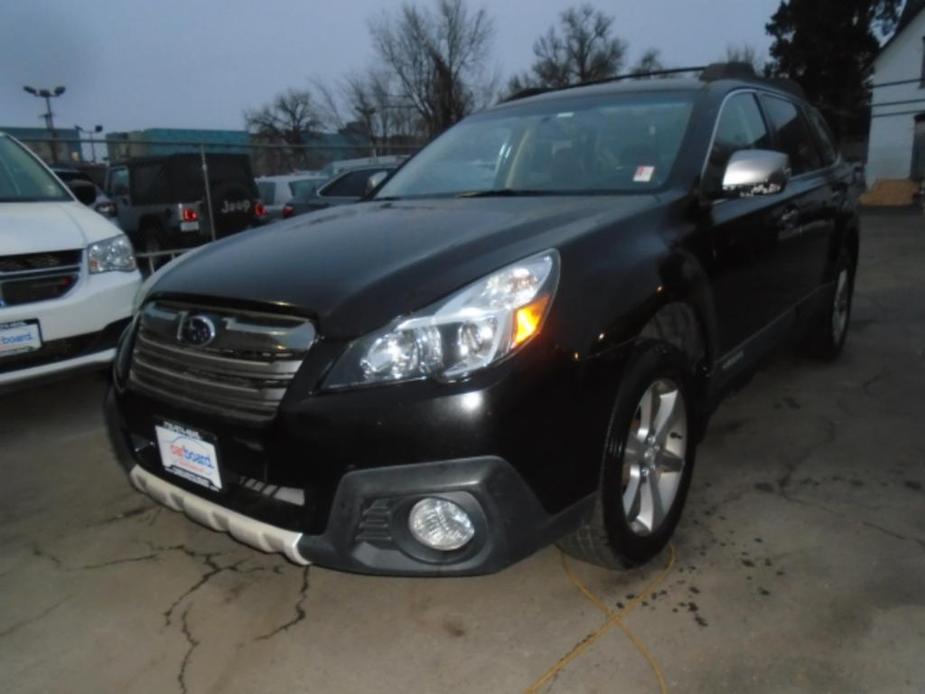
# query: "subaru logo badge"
197,330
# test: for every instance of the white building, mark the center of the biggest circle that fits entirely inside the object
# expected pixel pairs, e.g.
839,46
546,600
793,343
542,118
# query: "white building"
897,131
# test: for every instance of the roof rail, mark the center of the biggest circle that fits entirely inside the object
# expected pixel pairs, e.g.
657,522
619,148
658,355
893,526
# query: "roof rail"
728,71
533,91
639,75
708,73
529,91
787,85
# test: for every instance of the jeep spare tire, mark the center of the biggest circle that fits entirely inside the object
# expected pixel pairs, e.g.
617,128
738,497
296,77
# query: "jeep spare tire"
232,206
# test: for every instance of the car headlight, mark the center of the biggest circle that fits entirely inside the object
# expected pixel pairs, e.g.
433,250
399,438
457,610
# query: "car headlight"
473,328
111,255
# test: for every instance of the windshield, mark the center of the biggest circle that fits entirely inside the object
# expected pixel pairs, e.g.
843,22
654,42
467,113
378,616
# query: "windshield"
602,144
22,179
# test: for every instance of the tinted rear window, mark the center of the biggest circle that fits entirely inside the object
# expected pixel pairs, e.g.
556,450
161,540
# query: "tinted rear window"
187,175
267,191
793,135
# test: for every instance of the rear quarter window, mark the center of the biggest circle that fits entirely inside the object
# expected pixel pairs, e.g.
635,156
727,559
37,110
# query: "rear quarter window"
350,185
794,137
267,192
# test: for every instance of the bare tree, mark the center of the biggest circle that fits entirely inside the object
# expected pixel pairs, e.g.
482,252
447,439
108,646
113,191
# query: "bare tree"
648,62
745,54
374,103
438,58
582,49
287,119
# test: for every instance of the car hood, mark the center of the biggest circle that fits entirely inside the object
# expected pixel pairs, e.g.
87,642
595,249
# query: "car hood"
39,227
355,268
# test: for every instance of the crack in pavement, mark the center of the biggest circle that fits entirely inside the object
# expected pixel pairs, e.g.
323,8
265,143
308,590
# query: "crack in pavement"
35,618
839,514
213,570
192,643
300,613
877,377
40,553
114,562
125,515
790,466
894,534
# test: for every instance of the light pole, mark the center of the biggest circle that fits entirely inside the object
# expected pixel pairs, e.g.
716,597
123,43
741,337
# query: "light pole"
96,129
48,94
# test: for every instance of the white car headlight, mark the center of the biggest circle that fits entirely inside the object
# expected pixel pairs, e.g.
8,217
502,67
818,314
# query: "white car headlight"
111,255
472,329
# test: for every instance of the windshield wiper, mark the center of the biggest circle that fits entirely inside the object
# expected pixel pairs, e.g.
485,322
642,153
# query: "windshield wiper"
506,193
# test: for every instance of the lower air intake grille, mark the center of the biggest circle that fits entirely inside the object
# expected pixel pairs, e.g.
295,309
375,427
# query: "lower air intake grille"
234,363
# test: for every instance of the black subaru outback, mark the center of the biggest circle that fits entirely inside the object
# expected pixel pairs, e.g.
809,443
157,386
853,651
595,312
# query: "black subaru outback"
515,341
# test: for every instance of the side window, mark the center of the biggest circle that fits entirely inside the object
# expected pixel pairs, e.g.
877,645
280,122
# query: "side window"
267,192
351,185
823,137
118,181
793,135
740,127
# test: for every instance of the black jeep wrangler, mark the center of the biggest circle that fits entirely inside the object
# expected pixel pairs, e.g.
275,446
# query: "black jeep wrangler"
516,340
163,201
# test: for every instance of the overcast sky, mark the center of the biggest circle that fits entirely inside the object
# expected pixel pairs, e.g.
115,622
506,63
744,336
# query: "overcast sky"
129,64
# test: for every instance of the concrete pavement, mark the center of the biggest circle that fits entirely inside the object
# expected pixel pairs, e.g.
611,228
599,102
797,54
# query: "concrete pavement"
798,565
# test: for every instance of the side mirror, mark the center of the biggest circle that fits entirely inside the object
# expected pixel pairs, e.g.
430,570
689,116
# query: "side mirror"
375,181
753,172
84,191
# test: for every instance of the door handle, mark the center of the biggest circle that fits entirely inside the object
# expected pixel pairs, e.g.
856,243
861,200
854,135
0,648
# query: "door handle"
789,218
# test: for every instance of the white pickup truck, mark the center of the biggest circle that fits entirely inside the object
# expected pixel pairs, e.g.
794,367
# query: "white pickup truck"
68,276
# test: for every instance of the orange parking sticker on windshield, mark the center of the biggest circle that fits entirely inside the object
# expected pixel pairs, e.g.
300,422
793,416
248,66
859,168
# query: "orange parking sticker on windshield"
644,174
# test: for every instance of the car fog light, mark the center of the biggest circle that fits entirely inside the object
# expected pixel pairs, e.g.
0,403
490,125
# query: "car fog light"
440,524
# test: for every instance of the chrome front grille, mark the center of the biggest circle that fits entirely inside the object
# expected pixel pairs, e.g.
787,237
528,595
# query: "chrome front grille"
241,371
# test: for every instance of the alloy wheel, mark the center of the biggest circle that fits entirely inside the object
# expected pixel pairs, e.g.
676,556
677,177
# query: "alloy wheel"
840,306
654,457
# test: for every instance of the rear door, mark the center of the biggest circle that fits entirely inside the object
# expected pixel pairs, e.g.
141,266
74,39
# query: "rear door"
807,221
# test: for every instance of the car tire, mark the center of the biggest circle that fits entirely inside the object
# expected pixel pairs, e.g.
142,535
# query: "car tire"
826,338
647,462
230,194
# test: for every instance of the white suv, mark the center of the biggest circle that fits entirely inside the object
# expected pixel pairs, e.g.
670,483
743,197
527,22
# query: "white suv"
67,275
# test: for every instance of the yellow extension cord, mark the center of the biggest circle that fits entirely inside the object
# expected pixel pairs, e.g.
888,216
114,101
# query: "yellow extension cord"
614,618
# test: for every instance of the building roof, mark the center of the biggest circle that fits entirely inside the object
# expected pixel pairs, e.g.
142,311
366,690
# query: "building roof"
911,10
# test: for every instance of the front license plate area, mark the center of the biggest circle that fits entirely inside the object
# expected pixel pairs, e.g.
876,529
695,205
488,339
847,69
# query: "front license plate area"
19,337
189,454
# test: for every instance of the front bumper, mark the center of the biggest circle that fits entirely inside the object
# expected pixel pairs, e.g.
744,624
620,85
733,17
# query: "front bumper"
366,531
518,446
79,330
